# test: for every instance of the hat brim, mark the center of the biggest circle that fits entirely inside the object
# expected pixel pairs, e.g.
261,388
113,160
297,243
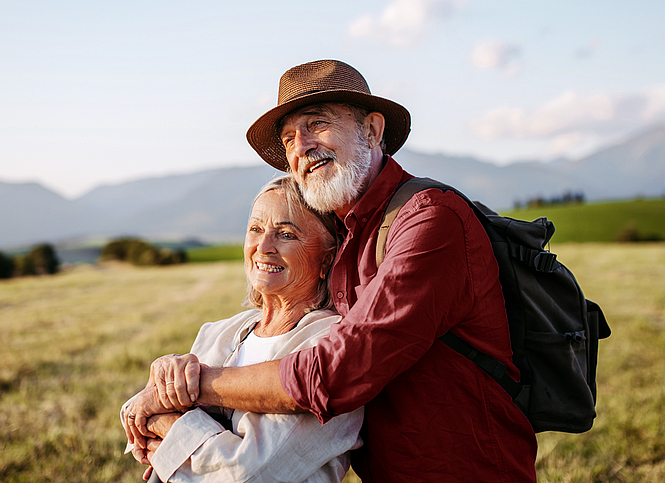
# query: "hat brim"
264,138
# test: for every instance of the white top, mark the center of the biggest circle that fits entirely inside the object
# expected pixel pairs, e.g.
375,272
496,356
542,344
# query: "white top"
255,349
260,447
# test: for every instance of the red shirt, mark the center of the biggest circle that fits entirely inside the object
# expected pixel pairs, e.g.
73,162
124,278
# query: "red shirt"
430,414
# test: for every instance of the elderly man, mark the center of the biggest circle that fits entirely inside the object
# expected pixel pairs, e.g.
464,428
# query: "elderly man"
431,414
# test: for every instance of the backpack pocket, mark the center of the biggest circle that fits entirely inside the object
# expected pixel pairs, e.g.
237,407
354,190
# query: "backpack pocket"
560,398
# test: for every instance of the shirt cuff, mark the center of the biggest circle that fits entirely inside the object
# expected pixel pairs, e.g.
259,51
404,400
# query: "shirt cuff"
304,384
187,434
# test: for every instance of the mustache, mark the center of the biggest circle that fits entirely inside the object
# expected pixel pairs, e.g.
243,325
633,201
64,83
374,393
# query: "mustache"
313,158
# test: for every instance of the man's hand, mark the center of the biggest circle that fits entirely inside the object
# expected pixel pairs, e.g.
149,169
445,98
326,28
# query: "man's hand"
160,424
177,380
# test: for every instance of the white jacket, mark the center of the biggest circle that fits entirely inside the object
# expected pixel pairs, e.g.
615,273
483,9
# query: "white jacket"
261,447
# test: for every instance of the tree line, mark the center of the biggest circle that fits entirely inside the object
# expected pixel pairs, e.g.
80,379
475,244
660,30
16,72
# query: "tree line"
42,259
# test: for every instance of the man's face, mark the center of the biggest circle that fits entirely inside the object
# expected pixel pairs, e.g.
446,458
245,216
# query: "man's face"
328,155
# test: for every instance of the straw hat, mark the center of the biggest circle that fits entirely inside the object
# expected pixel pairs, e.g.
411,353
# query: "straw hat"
323,81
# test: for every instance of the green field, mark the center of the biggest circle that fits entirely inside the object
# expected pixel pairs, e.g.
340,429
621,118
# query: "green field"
601,222
215,253
581,223
78,344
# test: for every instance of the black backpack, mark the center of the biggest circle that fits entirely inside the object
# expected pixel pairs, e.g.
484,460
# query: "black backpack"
554,330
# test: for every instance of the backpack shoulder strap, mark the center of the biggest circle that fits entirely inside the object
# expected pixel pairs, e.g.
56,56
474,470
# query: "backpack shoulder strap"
403,194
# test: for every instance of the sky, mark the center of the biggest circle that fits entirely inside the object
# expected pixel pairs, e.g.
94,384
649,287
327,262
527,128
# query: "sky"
95,93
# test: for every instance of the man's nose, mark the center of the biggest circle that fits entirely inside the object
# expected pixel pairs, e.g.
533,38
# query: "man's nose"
304,143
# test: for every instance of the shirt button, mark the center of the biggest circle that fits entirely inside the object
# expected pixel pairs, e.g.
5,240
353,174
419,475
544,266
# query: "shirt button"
340,295
364,220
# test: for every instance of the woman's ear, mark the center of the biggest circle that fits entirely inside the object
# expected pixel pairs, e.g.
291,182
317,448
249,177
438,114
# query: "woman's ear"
326,263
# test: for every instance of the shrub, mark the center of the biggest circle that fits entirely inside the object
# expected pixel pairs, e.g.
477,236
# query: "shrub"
6,266
630,233
23,266
43,259
140,253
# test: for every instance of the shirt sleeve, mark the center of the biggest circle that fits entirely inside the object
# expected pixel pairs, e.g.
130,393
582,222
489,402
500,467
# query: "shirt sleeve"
422,289
198,449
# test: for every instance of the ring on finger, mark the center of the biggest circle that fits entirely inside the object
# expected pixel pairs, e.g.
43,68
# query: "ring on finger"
170,382
131,415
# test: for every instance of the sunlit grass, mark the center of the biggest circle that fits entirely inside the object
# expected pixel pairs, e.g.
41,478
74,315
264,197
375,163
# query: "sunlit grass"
627,442
76,345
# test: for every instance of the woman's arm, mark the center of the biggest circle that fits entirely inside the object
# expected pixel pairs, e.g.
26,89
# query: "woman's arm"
275,447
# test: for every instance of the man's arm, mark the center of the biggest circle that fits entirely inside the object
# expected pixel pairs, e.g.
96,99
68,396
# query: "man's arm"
256,388
422,289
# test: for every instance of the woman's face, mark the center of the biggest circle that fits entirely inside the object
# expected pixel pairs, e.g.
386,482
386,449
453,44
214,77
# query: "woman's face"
284,254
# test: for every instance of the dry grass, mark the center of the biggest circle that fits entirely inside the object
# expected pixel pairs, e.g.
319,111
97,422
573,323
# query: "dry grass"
627,443
76,345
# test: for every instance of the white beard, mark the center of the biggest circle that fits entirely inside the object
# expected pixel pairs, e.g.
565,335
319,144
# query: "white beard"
347,183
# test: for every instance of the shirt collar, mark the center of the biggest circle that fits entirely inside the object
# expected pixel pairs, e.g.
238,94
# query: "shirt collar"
378,193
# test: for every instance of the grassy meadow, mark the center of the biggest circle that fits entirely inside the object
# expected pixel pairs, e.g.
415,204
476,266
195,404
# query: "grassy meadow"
77,344
603,221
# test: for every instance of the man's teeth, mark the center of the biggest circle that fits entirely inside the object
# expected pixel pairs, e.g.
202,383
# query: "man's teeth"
318,165
269,268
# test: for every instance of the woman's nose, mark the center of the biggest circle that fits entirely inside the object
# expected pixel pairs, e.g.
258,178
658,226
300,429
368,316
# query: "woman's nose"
266,244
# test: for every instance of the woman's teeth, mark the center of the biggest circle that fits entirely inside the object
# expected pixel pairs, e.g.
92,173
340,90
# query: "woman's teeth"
269,268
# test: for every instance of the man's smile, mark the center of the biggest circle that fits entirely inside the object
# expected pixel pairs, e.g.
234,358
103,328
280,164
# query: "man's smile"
319,164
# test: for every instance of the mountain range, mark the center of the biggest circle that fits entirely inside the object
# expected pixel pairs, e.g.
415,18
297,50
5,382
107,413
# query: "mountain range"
213,205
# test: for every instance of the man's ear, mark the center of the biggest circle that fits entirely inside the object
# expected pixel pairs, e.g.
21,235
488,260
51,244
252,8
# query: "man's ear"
375,123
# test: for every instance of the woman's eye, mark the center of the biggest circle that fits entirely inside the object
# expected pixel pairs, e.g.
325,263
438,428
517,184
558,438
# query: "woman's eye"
288,235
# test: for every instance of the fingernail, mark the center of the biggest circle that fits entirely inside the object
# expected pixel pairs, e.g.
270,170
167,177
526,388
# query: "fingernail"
192,397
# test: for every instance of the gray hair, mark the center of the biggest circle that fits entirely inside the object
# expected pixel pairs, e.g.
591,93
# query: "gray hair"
359,115
296,204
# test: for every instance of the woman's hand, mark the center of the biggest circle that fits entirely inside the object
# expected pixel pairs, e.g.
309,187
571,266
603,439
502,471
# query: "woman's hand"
145,404
159,425
152,446
177,380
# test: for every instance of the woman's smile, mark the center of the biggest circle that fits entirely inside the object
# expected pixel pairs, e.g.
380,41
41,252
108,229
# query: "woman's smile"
267,267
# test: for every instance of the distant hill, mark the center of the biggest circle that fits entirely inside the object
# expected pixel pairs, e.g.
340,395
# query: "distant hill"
214,204
635,168
31,213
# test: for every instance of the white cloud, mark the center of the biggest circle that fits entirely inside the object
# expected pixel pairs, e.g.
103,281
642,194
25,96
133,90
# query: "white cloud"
402,23
497,54
572,120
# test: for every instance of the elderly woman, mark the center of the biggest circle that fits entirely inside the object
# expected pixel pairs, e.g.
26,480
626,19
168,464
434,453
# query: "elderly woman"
288,252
